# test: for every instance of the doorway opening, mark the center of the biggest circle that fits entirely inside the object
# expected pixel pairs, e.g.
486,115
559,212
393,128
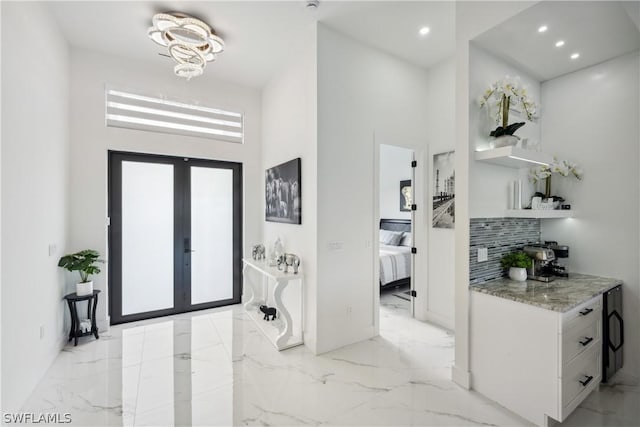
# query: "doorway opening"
396,231
175,235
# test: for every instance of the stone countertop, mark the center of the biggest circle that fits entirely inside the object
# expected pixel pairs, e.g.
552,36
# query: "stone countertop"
561,295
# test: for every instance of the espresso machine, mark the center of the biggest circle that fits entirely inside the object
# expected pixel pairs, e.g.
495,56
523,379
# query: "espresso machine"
543,261
560,252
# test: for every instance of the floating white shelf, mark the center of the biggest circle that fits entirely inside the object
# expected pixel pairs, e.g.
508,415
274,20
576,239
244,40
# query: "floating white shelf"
514,157
532,213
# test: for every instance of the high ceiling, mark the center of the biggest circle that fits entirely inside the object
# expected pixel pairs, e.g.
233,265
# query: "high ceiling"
260,35
597,30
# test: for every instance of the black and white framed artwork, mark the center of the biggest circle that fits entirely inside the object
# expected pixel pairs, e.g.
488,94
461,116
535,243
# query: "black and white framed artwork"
283,197
444,190
406,196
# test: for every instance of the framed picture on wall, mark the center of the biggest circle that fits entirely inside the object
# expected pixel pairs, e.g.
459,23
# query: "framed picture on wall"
283,196
444,190
406,196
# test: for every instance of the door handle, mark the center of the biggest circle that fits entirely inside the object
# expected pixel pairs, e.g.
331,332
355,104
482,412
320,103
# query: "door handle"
586,311
187,246
612,346
587,381
586,341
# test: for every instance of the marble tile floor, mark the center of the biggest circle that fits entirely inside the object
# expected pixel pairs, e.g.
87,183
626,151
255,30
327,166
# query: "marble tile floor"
215,368
393,302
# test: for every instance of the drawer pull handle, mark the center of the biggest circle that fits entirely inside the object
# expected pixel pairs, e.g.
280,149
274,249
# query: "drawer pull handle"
587,381
586,311
586,341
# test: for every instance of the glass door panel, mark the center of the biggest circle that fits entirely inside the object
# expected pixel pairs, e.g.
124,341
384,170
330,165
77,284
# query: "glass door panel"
147,237
175,235
211,234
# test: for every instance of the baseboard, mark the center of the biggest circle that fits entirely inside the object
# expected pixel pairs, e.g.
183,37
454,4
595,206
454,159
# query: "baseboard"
353,337
311,345
104,324
438,320
64,339
461,377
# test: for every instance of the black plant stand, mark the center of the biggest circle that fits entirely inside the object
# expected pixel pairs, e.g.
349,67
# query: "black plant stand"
75,331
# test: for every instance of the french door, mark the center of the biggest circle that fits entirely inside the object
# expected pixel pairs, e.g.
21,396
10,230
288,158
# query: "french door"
175,235
415,187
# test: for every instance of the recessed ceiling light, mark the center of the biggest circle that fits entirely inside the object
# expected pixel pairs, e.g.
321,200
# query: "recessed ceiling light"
575,55
560,43
542,29
424,31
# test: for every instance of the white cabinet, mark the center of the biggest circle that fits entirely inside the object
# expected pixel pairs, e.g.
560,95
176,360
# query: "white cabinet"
538,363
580,354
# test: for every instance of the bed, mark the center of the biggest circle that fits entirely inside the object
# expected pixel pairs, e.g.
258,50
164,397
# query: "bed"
395,258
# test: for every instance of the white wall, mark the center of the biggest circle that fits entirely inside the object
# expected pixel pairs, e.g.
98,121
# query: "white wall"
35,145
472,18
395,166
0,209
591,117
441,122
289,131
489,185
359,90
91,139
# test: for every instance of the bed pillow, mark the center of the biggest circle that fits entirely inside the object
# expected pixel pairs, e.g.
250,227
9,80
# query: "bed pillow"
391,238
406,240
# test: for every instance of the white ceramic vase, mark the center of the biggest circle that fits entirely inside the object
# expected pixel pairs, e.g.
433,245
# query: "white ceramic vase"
505,141
518,274
85,288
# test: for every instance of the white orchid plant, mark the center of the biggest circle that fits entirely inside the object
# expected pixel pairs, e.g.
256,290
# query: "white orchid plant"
500,96
560,167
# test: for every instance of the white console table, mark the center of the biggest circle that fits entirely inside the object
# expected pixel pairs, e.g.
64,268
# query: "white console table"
279,331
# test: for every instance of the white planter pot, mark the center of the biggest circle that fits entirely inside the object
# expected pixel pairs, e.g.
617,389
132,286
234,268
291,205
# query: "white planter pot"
518,274
84,288
505,141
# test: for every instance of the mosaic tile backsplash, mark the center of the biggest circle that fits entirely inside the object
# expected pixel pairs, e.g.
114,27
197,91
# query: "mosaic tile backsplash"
499,236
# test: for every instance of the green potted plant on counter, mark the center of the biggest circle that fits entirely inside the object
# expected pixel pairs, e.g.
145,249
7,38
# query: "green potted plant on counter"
517,263
84,262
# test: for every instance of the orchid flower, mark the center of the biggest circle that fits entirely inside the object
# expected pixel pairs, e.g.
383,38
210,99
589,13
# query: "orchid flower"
560,167
513,88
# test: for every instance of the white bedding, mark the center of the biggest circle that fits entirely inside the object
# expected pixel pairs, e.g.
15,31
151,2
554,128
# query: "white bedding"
395,263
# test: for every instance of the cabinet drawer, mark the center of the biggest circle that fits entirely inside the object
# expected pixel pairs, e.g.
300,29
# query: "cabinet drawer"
582,315
579,339
582,374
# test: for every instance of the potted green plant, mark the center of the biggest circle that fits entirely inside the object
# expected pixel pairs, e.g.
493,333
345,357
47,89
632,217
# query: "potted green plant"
517,263
84,262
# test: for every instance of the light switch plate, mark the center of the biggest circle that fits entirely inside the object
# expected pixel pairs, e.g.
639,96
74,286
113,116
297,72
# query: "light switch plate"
483,254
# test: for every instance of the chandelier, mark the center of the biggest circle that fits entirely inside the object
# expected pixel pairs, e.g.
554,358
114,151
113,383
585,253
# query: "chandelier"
190,42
